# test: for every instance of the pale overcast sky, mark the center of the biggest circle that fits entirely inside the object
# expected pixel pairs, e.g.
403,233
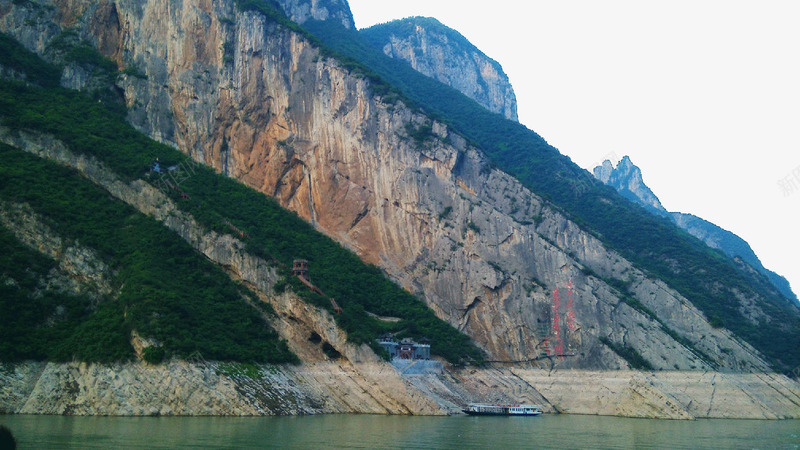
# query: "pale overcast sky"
704,96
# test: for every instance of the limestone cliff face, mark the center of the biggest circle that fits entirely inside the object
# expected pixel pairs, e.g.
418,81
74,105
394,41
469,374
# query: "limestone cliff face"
627,179
357,381
301,11
201,388
445,55
260,104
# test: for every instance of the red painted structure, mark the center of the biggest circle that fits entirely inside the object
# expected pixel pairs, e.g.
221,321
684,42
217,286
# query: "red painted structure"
300,270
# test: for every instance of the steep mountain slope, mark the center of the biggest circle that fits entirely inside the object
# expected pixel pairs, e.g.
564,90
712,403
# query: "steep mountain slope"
132,279
715,285
353,381
256,98
626,178
81,138
219,205
145,288
445,55
216,202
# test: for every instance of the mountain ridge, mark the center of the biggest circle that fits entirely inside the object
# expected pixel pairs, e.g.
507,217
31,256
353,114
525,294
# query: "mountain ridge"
627,178
619,223
426,155
442,53
263,104
301,11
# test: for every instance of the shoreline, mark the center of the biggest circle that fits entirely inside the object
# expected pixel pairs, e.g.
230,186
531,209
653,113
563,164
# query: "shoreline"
202,389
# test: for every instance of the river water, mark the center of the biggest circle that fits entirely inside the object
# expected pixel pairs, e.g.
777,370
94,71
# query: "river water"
366,431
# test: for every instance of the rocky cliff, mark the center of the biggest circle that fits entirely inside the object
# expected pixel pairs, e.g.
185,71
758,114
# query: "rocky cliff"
627,179
260,103
444,54
405,192
355,382
301,11
211,388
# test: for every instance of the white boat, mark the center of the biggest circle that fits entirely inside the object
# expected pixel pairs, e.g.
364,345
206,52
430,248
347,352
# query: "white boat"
484,409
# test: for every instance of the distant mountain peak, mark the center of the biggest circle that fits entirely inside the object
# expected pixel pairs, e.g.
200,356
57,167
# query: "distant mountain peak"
302,11
445,55
627,179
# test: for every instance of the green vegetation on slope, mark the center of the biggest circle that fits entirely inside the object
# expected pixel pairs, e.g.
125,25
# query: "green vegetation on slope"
167,291
41,323
221,204
14,57
707,278
278,235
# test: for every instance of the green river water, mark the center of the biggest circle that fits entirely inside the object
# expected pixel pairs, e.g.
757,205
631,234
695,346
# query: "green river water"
367,431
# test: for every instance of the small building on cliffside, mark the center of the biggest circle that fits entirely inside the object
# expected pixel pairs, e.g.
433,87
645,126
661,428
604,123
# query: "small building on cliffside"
405,349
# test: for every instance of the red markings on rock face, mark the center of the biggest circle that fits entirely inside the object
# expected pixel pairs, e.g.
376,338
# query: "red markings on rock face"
570,308
571,323
559,341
